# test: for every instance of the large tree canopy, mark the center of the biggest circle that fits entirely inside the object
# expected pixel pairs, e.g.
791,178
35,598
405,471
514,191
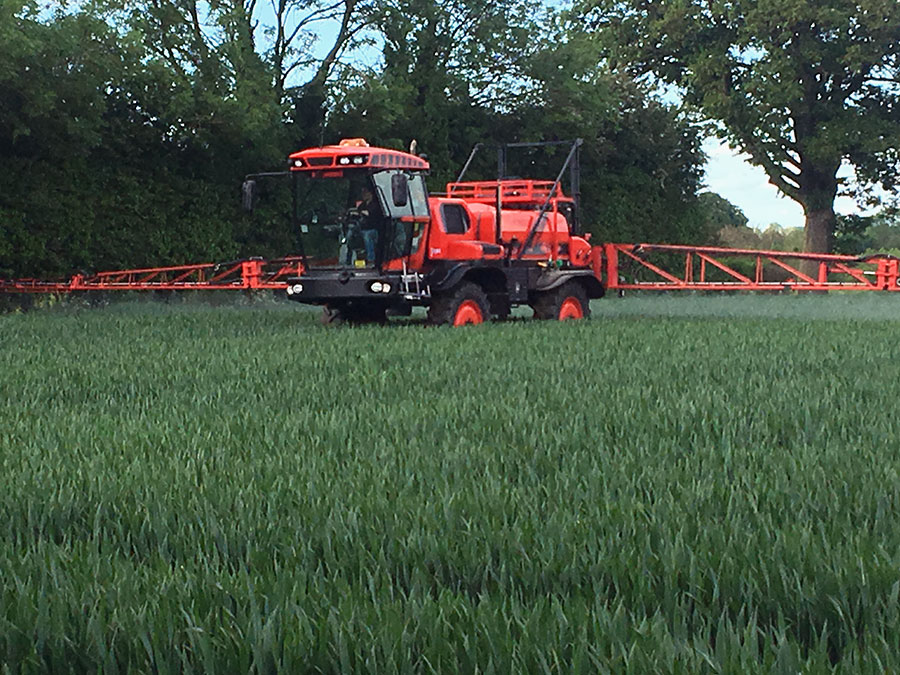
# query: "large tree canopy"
449,81
802,87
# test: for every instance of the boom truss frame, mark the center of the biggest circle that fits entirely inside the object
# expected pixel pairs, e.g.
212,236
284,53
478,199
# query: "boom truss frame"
668,267
647,267
249,274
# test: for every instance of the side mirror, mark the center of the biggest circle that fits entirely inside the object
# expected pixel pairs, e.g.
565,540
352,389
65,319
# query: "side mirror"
400,189
248,194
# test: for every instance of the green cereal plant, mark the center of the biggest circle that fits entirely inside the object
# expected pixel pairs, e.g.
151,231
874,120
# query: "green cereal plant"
680,484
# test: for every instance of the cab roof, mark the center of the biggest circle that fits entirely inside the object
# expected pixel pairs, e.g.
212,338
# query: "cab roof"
354,153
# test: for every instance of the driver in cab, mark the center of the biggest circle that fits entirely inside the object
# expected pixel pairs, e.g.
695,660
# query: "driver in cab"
363,218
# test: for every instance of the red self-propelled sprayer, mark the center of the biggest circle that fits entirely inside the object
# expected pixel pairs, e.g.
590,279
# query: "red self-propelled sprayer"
375,242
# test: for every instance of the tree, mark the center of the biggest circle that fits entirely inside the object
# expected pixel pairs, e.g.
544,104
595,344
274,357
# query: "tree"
641,161
801,87
719,212
448,68
52,106
856,234
311,100
125,128
459,73
851,234
778,238
883,233
249,60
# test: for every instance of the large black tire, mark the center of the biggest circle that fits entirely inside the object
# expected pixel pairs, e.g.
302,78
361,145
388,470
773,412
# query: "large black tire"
464,304
335,315
569,301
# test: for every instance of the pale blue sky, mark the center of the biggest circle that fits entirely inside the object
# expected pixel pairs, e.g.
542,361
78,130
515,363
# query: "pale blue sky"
748,187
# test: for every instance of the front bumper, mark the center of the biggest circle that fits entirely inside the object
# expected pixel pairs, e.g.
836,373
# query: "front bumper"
344,285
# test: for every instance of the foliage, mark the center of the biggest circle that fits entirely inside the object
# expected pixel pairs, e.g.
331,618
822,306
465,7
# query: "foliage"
235,494
800,87
448,68
131,152
850,234
641,163
869,234
720,212
121,161
773,238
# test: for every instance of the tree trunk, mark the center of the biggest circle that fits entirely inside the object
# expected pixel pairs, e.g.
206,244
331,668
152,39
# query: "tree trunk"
818,189
819,229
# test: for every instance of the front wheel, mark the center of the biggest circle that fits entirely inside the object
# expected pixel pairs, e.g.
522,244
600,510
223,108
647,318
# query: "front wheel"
466,305
569,301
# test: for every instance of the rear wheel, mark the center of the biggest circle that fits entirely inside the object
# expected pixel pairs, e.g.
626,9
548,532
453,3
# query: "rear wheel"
569,301
465,305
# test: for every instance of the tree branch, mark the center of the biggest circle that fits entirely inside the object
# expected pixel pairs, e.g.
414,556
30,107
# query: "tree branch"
327,63
319,15
780,176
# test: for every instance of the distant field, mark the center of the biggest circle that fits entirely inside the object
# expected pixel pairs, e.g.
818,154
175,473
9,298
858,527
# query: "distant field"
679,484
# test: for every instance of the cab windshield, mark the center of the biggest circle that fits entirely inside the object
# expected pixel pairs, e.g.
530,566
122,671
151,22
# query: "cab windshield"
352,220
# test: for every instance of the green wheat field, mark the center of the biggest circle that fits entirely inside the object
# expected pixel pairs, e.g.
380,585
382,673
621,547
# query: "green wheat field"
679,484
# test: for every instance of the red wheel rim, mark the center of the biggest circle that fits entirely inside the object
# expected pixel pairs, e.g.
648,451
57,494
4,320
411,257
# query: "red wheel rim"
468,312
571,309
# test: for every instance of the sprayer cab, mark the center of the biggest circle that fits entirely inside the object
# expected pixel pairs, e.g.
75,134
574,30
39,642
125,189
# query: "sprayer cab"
356,206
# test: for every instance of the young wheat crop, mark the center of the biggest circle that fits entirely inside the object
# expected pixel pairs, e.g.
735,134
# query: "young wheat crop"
673,485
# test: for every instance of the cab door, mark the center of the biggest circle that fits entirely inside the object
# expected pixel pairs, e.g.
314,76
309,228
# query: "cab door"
408,215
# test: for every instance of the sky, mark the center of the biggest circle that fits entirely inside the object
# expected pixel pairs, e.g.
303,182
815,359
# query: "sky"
748,188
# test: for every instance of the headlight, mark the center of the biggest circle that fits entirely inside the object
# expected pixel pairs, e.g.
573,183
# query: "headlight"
385,288
344,160
290,290
359,159
297,288
376,287
298,162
